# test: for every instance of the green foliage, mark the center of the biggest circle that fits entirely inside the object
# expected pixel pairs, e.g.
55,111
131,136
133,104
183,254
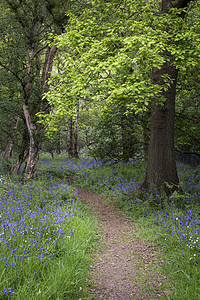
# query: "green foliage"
110,51
187,110
116,137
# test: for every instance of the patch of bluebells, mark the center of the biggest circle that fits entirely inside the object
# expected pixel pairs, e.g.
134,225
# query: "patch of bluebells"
176,218
180,219
190,181
71,164
111,184
183,225
124,186
33,230
63,166
8,292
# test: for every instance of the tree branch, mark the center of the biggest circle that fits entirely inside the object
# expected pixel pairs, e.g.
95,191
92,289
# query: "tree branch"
187,152
12,72
38,51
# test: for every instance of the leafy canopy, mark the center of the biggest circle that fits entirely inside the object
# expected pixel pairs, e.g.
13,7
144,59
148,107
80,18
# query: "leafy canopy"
110,49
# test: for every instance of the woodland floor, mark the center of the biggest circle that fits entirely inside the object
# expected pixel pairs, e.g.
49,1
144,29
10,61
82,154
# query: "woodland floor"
125,267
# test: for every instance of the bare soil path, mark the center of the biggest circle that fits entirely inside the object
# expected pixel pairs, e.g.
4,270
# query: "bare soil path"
125,267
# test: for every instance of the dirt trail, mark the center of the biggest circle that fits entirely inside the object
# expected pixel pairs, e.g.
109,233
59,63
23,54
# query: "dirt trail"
126,267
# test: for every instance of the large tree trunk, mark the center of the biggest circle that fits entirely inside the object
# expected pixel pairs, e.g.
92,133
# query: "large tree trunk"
161,163
9,147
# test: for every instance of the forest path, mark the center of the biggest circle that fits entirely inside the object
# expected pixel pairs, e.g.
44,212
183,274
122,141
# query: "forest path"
125,267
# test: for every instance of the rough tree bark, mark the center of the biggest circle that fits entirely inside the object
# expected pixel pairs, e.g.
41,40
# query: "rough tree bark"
161,163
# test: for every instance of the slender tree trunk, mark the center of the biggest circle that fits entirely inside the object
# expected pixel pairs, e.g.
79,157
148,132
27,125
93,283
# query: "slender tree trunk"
75,147
32,29
125,139
58,146
10,142
23,153
161,163
70,137
49,60
36,130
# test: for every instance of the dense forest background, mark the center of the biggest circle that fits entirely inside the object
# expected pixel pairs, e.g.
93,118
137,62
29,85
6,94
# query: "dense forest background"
100,96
